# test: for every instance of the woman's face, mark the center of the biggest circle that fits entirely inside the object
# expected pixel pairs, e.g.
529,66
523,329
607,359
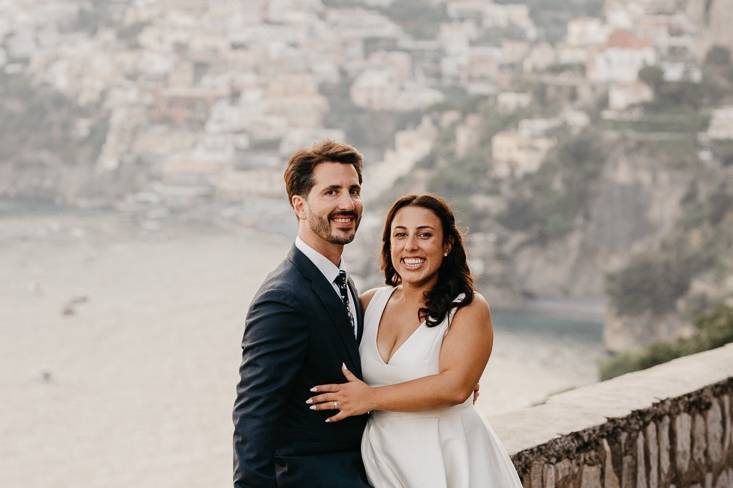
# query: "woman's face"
417,248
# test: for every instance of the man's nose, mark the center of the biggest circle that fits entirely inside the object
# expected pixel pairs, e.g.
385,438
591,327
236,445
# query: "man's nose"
346,201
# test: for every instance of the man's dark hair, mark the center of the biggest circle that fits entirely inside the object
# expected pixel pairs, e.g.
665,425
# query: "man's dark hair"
299,173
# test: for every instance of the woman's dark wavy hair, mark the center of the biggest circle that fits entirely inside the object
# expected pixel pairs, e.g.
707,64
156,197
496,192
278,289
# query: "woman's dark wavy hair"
454,277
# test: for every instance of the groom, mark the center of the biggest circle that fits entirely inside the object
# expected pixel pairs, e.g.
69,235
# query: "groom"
304,322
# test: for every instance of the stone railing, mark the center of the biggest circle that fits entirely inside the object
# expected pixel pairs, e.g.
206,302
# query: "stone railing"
667,426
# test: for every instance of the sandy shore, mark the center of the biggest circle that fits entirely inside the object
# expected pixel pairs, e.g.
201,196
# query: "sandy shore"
119,349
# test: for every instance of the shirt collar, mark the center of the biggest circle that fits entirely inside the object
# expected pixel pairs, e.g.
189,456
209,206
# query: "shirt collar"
324,265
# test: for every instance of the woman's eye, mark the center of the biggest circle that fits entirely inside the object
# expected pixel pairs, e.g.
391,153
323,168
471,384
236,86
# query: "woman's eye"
425,235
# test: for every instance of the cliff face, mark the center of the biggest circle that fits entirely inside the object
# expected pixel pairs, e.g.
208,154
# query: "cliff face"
634,218
654,238
48,144
658,293
635,201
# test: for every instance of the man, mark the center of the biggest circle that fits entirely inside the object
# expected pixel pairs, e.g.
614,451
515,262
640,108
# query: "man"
303,324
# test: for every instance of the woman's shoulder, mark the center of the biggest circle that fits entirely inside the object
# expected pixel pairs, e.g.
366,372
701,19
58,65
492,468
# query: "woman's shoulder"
478,310
366,297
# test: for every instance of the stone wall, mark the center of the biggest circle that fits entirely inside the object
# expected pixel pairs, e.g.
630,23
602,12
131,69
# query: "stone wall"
667,426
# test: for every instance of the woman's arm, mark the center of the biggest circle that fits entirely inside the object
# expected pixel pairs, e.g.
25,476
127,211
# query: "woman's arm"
463,357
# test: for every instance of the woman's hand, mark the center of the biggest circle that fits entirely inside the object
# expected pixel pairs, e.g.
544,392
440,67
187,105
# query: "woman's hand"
350,399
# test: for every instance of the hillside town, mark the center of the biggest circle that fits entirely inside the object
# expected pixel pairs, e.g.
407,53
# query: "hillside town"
208,98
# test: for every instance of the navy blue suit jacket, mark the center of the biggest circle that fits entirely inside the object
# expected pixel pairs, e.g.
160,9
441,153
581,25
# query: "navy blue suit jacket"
296,336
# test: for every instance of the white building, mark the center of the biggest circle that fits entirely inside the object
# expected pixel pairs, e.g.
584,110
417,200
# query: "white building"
456,37
677,71
467,134
375,90
411,145
586,31
512,101
515,154
540,57
297,138
621,59
242,184
358,23
623,95
482,63
380,90
721,124
513,52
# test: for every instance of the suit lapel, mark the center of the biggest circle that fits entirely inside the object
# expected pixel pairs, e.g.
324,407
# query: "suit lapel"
333,306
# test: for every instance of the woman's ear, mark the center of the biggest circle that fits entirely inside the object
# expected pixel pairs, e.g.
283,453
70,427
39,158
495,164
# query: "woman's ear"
447,247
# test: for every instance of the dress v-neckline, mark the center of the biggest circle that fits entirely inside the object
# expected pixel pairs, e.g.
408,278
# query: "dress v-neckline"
379,326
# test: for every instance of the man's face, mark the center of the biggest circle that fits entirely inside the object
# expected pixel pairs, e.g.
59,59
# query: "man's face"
333,208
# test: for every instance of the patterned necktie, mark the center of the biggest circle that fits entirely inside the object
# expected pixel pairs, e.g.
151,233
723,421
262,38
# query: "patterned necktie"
344,292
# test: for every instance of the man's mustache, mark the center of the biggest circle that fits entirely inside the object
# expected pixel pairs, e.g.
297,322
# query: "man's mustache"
343,214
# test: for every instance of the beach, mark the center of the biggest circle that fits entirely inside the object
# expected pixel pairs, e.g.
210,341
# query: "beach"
119,350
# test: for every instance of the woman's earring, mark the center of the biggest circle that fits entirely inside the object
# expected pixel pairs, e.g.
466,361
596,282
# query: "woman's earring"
445,254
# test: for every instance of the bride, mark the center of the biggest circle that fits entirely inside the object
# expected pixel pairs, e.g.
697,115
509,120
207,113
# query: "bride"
427,339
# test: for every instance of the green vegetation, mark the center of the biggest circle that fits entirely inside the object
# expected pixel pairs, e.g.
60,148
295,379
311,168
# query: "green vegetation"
418,18
662,119
558,194
682,95
723,151
717,56
96,15
717,76
366,129
654,282
706,209
552,16
38,127
713,329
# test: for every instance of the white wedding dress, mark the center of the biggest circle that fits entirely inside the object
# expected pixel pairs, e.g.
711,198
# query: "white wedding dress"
443,448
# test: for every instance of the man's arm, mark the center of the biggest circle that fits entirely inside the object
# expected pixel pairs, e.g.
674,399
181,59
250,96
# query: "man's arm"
273,347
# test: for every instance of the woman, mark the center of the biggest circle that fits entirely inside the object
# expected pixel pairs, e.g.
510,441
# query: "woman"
427,339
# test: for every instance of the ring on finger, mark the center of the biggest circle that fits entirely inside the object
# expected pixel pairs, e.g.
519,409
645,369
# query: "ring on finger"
335,405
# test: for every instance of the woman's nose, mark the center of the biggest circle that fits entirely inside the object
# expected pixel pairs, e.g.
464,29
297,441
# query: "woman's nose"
411,242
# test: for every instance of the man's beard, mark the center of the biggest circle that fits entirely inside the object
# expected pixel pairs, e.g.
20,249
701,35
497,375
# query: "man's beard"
321,226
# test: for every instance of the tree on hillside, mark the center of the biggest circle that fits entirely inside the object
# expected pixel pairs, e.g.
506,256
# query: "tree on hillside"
652,76
718,55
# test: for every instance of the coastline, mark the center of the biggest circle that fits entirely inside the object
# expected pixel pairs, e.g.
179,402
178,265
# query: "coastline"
577,309
109,320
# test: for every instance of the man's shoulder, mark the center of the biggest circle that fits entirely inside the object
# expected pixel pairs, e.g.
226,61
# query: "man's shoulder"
286,282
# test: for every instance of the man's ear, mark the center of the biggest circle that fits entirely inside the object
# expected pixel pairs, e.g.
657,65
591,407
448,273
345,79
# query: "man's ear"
298,203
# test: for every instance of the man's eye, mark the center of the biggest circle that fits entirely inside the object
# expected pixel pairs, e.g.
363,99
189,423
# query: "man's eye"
330,192
356,192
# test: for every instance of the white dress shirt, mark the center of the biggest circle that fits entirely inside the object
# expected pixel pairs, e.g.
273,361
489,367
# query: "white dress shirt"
330,271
